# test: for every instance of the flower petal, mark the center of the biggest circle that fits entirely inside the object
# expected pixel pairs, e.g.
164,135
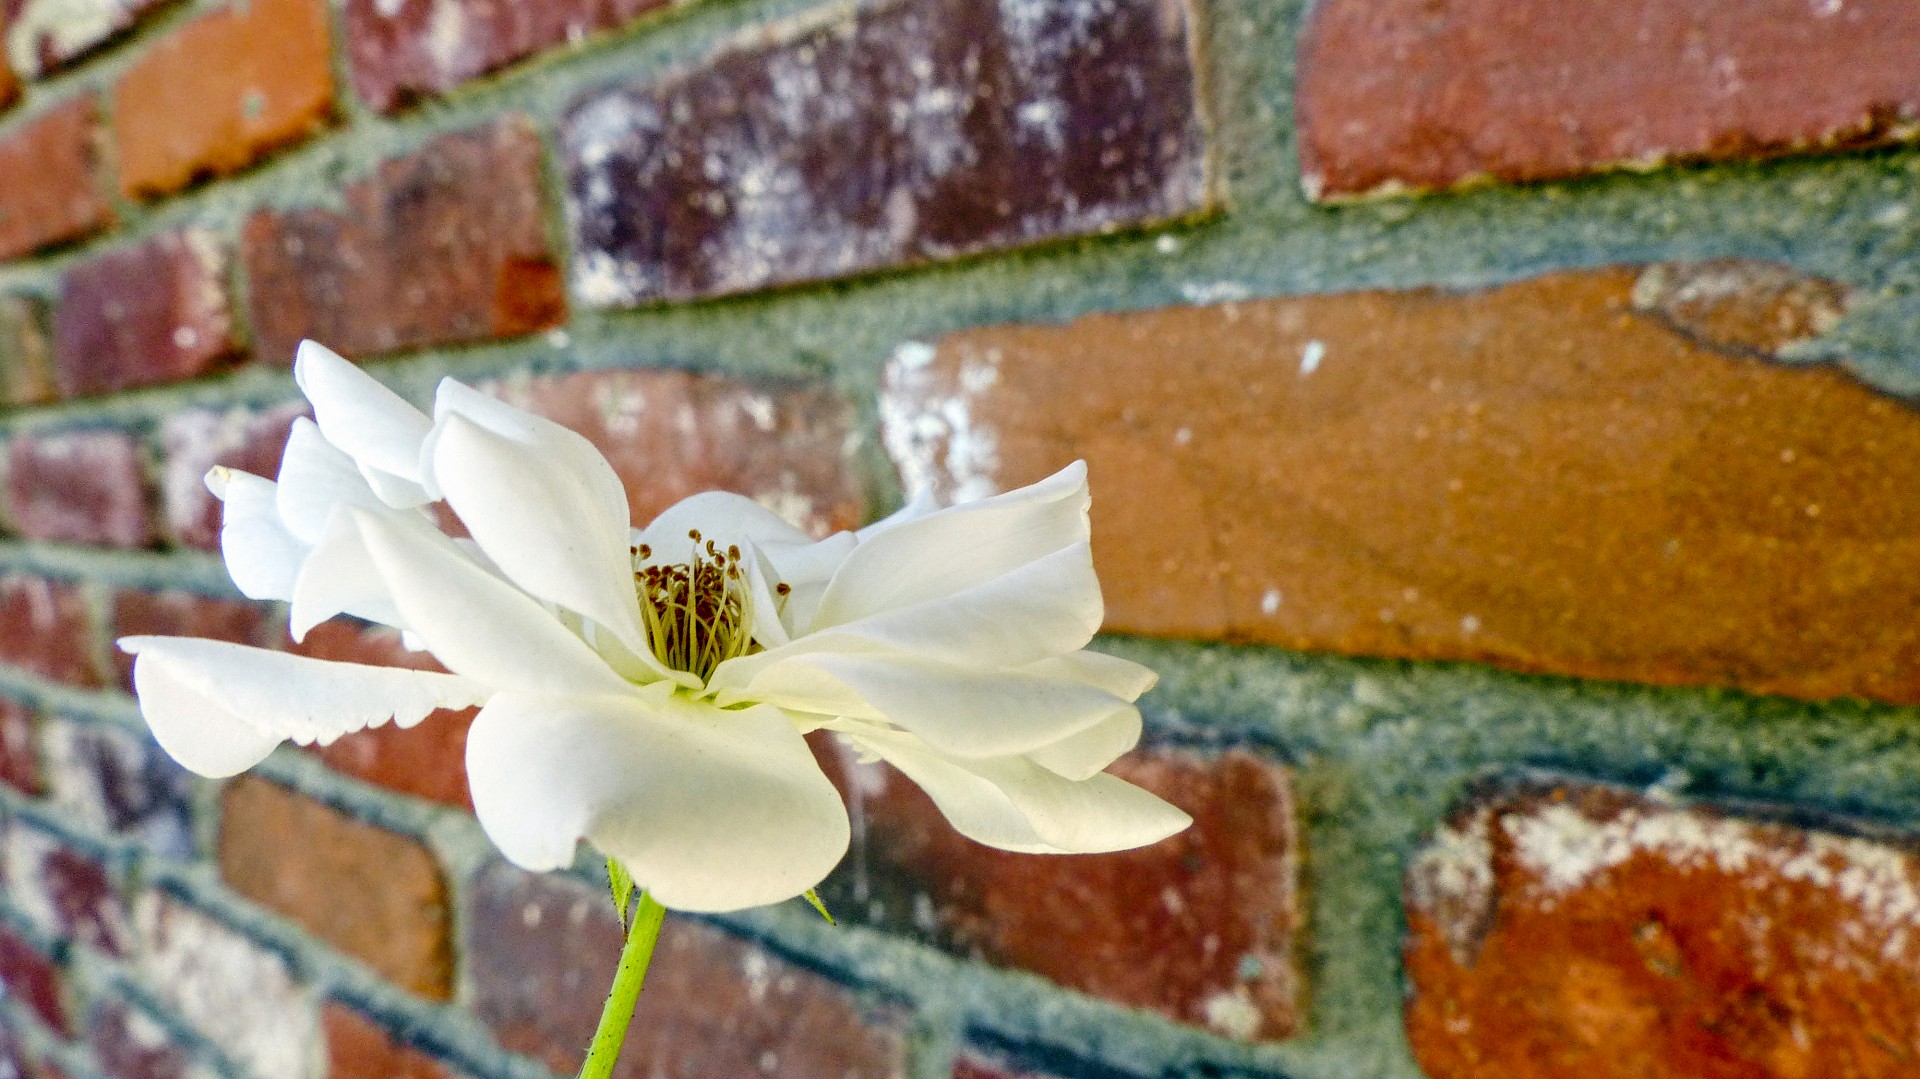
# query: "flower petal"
548,526
340,577
709,810
1088,752
1014,804
1123,678
369,422
477,624
723,517
262,556
218,707
314,478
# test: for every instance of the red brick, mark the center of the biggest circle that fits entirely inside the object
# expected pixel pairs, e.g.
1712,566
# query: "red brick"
47,628
185,614
541,952
129,1044
976,1067
115,782
19,756
402,51
427,760
238,995
1398,94
359,1049
79,487
445,245
1577,929
221,92
1538,475
42,35
192,441
31,977
9,82
151,313
298,857
908,132
1199,927
670,434
65,893
49,191
26,351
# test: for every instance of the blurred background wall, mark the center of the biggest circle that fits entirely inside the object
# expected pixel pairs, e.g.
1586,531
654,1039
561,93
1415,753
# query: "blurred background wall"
1495,417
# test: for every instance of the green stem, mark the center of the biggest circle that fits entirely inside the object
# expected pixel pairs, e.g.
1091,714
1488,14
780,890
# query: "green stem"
625,993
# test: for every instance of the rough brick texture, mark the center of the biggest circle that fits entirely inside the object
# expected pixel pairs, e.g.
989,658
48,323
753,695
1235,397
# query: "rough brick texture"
1199,927
193,441
32,978
49,190
47,628
447,244
1541,476
357,1048
122,784
154,312
64,893
139,613
79,487
403,50
298,857
920,130
543,949
130,1044
26,351
220,92
1417,94
670,434
19,756
42,35
1581,929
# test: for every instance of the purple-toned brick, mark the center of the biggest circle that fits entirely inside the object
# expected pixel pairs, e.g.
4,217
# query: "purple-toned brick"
31,977
195,440
120,783
79,487
142,315
46,628
130,1044
915,131
64,892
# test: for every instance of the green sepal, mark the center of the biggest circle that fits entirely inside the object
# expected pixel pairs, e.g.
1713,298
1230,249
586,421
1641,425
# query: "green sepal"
621,883
814,898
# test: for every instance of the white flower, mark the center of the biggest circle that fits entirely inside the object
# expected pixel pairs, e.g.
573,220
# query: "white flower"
648,691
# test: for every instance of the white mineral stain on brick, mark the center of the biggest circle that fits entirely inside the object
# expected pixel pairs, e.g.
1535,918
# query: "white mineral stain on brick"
25,853
1451,880
446,39
927,424
66,27
1233,1013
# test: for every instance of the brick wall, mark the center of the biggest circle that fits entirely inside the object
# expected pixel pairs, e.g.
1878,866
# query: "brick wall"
1495,414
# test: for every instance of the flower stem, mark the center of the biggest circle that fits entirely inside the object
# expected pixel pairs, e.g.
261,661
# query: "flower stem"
634,957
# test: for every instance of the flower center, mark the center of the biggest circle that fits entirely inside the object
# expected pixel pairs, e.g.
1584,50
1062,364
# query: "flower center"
696,612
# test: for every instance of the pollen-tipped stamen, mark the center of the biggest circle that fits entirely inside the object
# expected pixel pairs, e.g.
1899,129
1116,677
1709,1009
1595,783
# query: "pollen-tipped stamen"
696,612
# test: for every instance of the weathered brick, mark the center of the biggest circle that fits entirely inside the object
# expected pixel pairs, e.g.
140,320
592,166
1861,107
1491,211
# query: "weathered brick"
296,856
447,244
19,757
403,50
31,977
46,628
1419,94
542,950
1563,929
154,312
195,440
920,130
185,614
1538,475
26,351
130,1044
16,1060
79,487
670,434
49,186
42,35
243,998
117,782
9,81
357,1048
427,760
1199,927
971,1065
63,892
221,92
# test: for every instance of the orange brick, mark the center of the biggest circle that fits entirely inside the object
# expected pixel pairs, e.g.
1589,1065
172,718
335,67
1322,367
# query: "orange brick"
358,1049
48,189
222,91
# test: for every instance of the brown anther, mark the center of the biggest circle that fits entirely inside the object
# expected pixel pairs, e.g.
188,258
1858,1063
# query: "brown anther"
782,588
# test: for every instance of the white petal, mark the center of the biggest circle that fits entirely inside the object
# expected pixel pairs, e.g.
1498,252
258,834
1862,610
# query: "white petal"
957,549
920,505
369,422
1123,678
314,479
475,623
710,810
1014,804
546,524
565,448
1081,755
262,556
340,577
723,517
218,707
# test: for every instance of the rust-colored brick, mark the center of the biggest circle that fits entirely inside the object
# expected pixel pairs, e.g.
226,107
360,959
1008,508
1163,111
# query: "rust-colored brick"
49,187
19,757
150,313
218,93
1199,927
447,244
359,1049
185,614
47,628
670,434
1588,473
1428,93
32,978
298,857
79,487
1572,929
